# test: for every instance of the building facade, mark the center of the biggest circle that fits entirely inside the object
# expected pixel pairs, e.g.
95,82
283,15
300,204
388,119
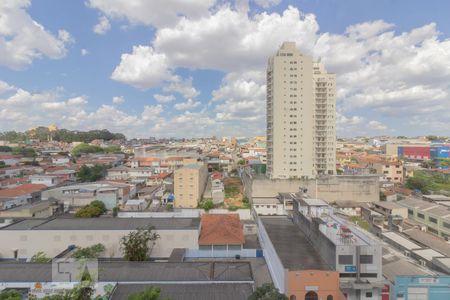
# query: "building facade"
301,133
189,185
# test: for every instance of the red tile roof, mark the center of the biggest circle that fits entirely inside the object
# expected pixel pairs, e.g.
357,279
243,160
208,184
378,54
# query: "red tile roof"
21,190
221,229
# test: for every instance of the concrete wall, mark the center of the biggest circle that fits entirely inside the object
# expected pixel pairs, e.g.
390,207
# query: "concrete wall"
53,242
323,283
329,188
276,268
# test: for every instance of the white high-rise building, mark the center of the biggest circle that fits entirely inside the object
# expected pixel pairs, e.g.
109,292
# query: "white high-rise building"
301,116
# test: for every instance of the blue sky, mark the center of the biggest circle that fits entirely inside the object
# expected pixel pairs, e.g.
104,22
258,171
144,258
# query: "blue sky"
198,70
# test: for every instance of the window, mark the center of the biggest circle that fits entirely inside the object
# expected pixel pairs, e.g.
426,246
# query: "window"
329,297
410,212
292,297
446,225
366,259
311,296
345,259
421,216
432,220
368,294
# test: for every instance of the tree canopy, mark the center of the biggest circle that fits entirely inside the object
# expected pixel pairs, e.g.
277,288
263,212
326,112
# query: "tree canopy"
40,257
92,210
135,245
93,251
90,174
267,292
10,295
152,293
43,133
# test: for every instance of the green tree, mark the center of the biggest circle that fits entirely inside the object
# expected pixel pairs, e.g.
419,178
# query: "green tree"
135,245
90,174
27,152
113,149
99,204
88,212
152,293
2,164
241,162
267,292
207,204
86,148
40,257
115,211
5,149
93,251
418,183
10,295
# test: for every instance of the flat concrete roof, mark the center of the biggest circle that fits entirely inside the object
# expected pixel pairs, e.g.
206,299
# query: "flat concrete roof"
429,240
292,246
200,291
105,223
405,243
428,254
125,271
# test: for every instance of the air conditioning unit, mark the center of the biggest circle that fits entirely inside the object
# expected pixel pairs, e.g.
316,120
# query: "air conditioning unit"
422,262
407,253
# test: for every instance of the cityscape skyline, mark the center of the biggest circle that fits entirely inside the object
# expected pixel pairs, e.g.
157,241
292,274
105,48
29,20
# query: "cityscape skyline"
147,76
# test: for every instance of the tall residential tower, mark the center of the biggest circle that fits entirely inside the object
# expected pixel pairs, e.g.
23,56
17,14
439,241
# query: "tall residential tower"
301,116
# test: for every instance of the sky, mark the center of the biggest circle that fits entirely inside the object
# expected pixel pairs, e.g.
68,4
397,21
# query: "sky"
177,68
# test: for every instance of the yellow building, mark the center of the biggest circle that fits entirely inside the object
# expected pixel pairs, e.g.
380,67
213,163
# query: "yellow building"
189,185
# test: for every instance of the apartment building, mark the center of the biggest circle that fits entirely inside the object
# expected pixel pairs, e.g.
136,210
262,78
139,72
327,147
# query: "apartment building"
301,132
189,185
390,170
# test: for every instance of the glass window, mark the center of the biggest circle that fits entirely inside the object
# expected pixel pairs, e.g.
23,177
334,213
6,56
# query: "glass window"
345,259
366,259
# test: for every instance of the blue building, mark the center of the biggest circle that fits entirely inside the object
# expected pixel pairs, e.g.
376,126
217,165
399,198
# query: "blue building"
439,152
421,288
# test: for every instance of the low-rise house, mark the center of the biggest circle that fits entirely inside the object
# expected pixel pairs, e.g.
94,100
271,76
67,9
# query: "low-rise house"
390,209
48,180
10,160
63,173
135,205
111,194
221,232
40,209
10,183
20,195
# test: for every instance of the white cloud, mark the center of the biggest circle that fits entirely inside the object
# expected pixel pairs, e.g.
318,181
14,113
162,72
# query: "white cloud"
84,52
186,105
152,112
164,98
22,39
143,68
157,13
102,26
375,125
118,100
267,3
229,40
242,97
182,86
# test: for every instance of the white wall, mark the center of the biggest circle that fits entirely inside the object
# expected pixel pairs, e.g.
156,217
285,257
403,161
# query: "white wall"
53,242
